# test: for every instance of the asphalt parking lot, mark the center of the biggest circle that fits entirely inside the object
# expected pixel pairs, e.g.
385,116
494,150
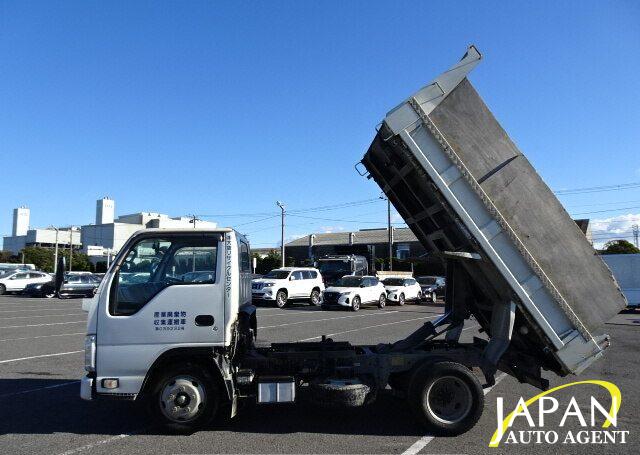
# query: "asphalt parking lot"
41,360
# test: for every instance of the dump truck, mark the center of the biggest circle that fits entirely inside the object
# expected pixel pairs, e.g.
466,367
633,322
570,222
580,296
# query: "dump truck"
515,261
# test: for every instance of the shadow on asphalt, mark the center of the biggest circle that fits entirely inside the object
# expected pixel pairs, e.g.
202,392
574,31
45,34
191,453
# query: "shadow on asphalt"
59,409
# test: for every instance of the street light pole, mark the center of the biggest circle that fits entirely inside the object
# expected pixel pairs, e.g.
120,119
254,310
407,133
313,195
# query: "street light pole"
70,248
281,205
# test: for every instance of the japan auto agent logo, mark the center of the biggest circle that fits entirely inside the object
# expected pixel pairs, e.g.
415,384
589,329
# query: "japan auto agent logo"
598,421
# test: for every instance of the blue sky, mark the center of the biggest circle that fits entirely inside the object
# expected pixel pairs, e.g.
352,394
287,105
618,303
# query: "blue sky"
222,108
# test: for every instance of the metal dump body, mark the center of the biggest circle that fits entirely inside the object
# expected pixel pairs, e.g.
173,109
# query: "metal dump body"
462,185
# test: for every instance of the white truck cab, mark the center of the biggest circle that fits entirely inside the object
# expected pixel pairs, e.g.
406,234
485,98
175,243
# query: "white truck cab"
288,283
135,326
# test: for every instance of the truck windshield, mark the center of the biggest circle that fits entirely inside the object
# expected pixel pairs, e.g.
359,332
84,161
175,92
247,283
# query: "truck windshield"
393,282
278,274
153,264
334,266
426,280
349,282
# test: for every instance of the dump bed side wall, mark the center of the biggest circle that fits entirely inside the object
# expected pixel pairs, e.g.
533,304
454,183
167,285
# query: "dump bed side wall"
529,206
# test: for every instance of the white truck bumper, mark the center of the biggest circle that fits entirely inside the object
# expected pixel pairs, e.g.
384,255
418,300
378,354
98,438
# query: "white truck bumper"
86,388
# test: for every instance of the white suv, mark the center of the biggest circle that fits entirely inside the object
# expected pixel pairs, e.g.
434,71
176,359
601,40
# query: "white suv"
353,292
17,281
288,283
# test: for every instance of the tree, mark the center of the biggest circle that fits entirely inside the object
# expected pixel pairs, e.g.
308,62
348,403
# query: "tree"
269,262
43,259
8,256
619,247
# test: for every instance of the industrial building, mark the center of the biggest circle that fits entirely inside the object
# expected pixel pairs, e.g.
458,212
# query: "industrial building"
22,236
100,240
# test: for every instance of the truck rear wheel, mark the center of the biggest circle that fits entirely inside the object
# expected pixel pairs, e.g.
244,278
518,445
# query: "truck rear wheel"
184,398
446,397
3,289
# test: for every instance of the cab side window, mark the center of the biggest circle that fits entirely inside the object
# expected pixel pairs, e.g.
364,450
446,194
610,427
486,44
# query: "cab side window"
245,258
155,263
297,275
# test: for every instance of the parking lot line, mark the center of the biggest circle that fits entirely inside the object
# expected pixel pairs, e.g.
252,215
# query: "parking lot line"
45,316
372,327
327,319
43,336
22,392
39,356
420,444
38,310
84,321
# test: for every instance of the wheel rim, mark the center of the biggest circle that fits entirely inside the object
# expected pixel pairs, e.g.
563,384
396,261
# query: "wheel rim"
383,301
182,399
280,299
315,297
356,303
433,297
448,399
401,299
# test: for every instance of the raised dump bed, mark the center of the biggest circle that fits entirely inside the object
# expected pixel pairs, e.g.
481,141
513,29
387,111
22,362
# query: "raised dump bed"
462,185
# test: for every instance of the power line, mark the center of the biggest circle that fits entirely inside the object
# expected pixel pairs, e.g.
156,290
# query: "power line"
340,220
604,211
598,189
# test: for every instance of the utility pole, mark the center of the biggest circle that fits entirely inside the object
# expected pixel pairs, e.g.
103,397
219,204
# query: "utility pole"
281,205
193,220
636,234
389,231
55,255
389,228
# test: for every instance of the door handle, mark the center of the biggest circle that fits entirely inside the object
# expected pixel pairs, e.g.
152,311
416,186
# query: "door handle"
204,320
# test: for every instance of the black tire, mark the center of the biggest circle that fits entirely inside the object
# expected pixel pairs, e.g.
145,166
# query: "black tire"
446,397
401,299
281,298
420,297
382,301
339,395
3,289
314,298
199,378
355,304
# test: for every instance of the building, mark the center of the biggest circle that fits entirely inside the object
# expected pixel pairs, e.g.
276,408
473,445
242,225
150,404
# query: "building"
98,240
22,237
371,243
108,235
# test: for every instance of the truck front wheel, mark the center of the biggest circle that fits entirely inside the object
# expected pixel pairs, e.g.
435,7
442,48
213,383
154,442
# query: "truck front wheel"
184,398
446,397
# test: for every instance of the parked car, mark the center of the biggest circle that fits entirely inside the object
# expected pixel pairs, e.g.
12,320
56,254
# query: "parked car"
74,285
353,292
288,283
18,281
401,290
432,287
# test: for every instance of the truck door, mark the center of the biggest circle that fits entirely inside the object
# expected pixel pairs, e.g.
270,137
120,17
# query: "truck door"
157,301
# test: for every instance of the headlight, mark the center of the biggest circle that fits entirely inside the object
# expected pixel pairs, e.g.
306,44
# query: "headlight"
344,294
90,353
267,285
